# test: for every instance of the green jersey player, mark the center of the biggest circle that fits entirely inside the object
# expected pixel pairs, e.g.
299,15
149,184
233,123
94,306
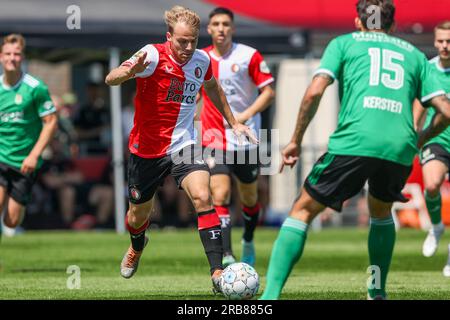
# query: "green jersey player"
27,123
435,155
375,141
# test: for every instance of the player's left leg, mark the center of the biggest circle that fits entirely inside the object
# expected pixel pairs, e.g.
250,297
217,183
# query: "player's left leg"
196,185
248,193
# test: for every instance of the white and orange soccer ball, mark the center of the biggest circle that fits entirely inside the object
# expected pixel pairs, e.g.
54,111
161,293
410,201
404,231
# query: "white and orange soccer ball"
239,281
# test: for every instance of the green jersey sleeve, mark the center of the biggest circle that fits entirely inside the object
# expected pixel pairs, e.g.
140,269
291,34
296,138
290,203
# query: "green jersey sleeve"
43,102
332,61
430,86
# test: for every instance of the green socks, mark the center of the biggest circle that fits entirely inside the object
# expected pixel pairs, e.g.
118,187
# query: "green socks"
381,245
286,252
434,208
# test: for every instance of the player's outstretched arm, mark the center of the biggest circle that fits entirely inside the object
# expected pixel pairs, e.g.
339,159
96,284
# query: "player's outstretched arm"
49,127
124,72
218,98
440,121
308,108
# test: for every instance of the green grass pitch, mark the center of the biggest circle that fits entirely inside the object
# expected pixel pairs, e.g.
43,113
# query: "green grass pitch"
173,266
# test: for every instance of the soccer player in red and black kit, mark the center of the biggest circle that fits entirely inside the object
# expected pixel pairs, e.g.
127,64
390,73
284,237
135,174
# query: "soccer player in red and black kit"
169,76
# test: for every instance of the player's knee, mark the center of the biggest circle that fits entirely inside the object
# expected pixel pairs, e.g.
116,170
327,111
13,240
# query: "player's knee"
221,198
433,187
201,199
249,199
137,216
12,222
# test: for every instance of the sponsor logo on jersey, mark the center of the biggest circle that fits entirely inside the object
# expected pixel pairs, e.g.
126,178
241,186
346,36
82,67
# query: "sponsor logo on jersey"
135,194
234,67
18,99
181,91
198,72
427,155
263,67
11,116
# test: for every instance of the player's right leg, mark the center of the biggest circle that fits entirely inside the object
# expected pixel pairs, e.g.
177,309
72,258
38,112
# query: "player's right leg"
288,247
221,193
144,177
434,170
195,180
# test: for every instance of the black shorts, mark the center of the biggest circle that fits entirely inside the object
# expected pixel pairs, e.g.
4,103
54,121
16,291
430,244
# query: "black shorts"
434,151
145,175
335,179
243,164
18,186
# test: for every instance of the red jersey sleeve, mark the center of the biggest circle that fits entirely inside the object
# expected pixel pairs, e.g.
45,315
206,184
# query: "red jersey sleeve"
259,71
152,58
209,73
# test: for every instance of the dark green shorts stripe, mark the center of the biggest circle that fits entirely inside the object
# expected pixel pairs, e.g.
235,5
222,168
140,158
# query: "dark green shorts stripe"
319,168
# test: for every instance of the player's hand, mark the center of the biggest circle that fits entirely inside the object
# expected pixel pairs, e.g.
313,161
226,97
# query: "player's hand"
242,131
29,165
140,65
290,155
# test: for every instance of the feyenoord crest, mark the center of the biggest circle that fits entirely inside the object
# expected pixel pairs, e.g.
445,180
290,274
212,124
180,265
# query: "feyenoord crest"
135,194
18,99
198,72
235,68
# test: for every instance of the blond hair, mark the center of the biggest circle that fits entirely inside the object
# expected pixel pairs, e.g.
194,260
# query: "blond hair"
13,38
181,14
445,25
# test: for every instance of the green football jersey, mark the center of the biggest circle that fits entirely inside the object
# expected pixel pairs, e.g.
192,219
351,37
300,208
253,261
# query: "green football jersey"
21,109
379,77
444,77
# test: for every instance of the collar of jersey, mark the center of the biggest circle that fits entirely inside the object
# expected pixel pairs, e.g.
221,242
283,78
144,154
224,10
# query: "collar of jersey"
6,87
437,60
213,55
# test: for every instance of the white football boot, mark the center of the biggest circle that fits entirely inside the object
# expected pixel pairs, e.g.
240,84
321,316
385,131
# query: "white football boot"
432,240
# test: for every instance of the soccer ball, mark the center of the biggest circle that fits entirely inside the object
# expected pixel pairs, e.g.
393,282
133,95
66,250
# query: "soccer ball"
239,281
